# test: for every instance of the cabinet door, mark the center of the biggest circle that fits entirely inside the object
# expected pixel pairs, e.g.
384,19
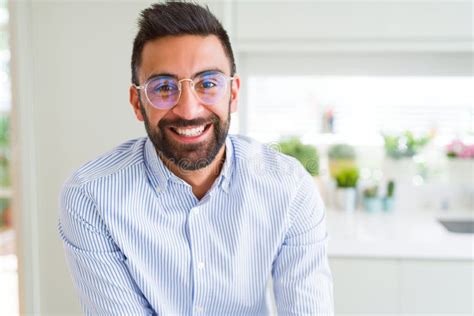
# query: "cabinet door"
437,286
365,285
352,20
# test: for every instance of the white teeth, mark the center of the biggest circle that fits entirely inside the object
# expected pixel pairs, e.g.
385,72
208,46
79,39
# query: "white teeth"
195,131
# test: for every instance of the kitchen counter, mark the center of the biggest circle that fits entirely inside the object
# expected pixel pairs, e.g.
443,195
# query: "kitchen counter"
397,234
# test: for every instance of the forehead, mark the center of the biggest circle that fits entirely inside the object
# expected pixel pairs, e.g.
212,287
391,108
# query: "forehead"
183,56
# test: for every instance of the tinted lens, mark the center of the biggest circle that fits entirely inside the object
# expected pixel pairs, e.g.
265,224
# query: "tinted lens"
163,92
210,87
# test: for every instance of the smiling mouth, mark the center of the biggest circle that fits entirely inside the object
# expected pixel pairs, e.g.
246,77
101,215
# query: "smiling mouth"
193,131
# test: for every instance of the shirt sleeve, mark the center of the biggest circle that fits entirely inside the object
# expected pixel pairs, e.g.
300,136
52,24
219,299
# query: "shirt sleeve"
96,264
302,280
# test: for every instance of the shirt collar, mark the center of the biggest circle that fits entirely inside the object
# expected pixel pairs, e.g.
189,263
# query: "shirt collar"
227,168
160,175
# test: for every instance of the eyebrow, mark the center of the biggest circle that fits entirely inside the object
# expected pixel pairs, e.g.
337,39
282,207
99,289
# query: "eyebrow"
166,74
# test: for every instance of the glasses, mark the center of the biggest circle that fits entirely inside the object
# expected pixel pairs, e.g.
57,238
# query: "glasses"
163,92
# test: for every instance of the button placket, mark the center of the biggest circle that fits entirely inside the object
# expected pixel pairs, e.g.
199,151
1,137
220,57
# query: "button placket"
200,265
199,309
198,253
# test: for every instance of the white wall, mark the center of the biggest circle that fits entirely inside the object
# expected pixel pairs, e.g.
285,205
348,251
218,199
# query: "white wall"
71,72
79,58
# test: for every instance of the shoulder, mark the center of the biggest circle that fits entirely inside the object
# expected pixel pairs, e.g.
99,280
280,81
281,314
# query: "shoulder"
266,161
267,174
125,155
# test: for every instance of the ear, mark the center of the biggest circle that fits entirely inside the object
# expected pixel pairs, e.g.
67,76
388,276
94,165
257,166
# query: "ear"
135,103
234,93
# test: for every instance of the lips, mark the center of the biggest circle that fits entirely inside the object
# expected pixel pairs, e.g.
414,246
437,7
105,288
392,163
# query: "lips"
189,131
190,134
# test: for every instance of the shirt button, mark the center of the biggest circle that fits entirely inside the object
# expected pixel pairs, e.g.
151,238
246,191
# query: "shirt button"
196,211
199,309
200,265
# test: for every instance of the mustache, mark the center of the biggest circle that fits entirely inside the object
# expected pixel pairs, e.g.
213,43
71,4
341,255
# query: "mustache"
185,123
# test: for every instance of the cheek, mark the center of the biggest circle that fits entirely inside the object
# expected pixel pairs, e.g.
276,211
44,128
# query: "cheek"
154,116
222,111
152,121
222,114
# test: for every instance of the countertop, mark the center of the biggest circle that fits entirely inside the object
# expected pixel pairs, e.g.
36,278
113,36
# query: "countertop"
398,234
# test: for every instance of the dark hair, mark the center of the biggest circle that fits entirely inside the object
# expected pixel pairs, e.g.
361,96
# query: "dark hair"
177,18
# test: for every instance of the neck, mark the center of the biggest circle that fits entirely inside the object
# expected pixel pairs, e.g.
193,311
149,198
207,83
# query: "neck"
202,179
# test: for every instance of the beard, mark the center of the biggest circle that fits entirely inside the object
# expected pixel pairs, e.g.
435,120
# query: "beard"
188,157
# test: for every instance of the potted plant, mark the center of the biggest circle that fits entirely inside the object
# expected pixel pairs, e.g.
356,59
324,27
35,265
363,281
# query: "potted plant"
370,199
346,181
460,150
460,161
307,155
404,145
400,149
388,200
340,156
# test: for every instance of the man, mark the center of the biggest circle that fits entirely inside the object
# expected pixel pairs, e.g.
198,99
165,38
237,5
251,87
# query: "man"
191,220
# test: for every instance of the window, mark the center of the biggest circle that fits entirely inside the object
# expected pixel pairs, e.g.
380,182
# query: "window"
363,107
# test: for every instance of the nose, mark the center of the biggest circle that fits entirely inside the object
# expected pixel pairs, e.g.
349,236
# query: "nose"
188,106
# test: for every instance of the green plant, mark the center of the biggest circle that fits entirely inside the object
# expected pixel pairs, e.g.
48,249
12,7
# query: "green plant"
390,188
347,177
4,205
341,151
306,154
404,145
370,192
4,151
4,131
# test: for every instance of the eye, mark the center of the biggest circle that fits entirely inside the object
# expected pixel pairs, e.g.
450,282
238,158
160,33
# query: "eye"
165,88
207,84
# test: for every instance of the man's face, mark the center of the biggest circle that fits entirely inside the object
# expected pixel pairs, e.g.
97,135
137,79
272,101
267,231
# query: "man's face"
170,130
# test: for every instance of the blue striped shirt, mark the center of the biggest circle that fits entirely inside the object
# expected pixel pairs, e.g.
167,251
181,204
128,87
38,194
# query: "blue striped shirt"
138,242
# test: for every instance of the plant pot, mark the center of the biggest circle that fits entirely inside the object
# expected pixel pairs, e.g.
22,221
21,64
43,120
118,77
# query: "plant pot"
335,165
388,204
346,199
372,204
400,170
460,171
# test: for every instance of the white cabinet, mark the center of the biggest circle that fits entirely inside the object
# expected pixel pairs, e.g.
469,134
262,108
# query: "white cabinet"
352,25
365,286
437,286
405,286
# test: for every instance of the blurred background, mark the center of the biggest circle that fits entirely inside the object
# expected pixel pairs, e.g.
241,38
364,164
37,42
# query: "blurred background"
375,98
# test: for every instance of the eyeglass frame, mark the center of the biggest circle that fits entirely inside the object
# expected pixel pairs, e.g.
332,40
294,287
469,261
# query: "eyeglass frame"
180,89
